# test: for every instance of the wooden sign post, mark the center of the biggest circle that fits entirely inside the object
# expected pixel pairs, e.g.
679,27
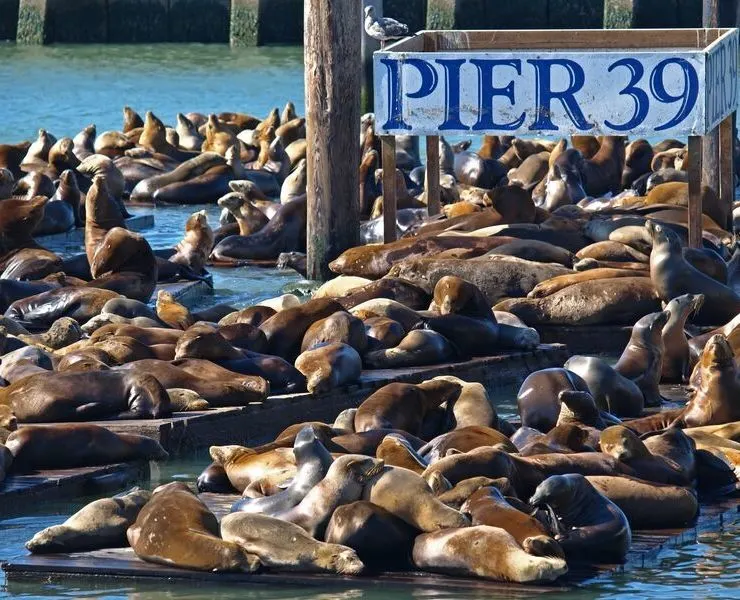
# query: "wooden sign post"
646,83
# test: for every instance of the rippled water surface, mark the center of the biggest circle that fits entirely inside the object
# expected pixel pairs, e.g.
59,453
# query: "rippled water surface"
64,88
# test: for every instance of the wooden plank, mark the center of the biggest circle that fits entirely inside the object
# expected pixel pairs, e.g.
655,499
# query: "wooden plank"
727,167
643,39
388,144
695,182
187,292
259,422
332,41
710,144
16,491
432,176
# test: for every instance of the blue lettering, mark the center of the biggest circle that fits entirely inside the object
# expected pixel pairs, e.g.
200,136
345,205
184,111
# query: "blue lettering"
452,94
487,92
688,97
395,106
642,100
545,94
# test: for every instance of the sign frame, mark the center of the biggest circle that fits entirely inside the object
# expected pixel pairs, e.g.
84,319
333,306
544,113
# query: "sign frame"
713,53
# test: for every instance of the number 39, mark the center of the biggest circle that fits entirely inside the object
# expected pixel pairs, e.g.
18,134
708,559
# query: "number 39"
657,87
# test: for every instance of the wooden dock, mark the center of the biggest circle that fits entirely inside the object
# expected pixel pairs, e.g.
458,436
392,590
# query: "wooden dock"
16,491
259,422
188,293
123,565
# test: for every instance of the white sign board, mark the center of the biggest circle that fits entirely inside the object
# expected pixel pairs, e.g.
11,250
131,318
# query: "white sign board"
666,93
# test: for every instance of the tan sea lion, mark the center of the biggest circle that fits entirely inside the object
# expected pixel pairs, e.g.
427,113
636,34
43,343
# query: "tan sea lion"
339,327
171,312
676,357
456,496
193,250
329,366
455,295
286,546
482,551
176,528
464,439
244,466
101,215
98,525
36,447
396,451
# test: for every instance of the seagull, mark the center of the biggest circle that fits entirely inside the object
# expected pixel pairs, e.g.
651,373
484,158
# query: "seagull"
383,28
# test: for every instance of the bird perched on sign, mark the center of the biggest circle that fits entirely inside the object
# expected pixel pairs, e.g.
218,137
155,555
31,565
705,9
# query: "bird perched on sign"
383,28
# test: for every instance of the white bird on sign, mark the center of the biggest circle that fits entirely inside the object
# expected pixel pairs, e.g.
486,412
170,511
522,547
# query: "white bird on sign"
383,28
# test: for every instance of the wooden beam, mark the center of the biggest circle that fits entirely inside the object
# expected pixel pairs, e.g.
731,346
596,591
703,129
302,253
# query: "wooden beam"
432,178
388,143
695,204
727,167
332,79
710,143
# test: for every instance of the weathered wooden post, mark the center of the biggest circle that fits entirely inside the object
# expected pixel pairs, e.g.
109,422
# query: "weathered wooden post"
710,143
696,143
332,36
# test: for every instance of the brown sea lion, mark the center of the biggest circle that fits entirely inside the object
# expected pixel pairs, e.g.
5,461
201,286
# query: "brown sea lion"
63,397
193,250
383,333
673,277
487,506
538,398
171,312
457,495
473,406
98,525
18,219
675,445
43,309
176,528
252,315
642,359
676,357
403,405
340,327
244,466
455,295
603,172
392,288
649,505
286,546
483,551
329,366
249,218
464,439
612,391
396,451
72,445
612,251
589,525
417,348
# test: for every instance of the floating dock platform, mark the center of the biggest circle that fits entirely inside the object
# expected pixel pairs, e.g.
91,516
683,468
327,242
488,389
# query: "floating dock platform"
122,564
16,491
260,422
188,293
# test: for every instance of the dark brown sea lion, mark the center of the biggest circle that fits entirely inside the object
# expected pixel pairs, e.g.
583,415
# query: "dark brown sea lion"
417,348
252,315
11,156
395,289
453,295
18,219
649,505
41,310
338,327
285,330
30,264
612,391
478,337
176,528
403,405
244,336
676,358
284,233
383,333
642,359
603,172
538,398
72,445
609,301
638,161
673,277
483,551
675,445
589,526
62,397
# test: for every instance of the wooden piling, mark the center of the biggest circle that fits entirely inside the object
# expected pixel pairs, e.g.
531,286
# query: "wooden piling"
33,25
440,14
432,175
710,143
332,81
244,24
388,157
695,200
727,167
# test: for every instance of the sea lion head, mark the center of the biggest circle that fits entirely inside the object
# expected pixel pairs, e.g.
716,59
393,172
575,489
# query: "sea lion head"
63,152
232,201
186,124
7,419
69,179
622,443
688,303
558,491
340,559
131,119
438,483
451,294
226,455
182,400
360,468
118,249
650,327
148,398
579,406
203,341
123,349
662,236
717,353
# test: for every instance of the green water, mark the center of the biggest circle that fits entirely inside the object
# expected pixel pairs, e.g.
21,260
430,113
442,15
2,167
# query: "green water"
63,89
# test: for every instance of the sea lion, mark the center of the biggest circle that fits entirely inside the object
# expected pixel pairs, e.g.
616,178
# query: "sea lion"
407,496
37,447
612,391
193,250
98,164
329,366
579,408
101,215
214,479
343,483
18,219
63,397
312,462
483,551
286,546
417,348
608,301
252,315
453,295
642,359
479,337
672,443
394,289
487,506
589,525
176,528
249,218
286,329
714,400
676,357
396,451
244,466
538,401
473,406
189,136
403,405
30,264
339,327
649,505
98,525
145,189
171,312
456,496
624,445
464,439
673,276
379,537
284,233
383,333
